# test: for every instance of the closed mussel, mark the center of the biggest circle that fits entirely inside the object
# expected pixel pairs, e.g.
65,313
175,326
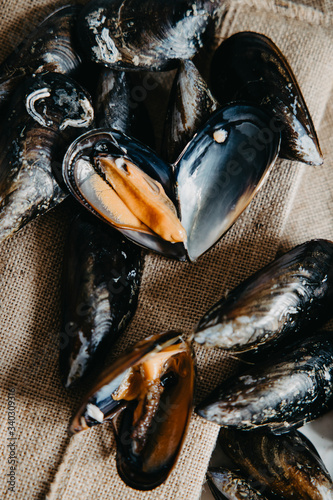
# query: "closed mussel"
49,48
151,391
288,466
190,106
46,113
102,275
249,66
227,484
113,100
280,302
180,209
277,395
153,35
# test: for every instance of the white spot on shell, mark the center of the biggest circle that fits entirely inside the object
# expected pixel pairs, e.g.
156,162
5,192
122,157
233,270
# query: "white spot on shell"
220,135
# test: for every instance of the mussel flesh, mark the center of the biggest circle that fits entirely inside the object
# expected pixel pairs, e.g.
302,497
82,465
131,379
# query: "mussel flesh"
288,466
277,395
285,299
211,183
46,113
102,276
190,106
49,48
249,66
227,484
153,35
151,391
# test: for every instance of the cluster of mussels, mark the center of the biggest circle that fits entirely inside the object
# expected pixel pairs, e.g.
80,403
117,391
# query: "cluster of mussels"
219,145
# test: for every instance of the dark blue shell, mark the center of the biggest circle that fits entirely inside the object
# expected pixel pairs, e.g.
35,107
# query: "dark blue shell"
220,171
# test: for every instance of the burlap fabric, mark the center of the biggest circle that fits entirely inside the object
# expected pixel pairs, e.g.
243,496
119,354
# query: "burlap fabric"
295,204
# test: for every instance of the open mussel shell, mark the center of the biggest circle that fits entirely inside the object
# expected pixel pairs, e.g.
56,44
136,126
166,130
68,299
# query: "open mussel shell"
221,170
152,35
49,48
212,182
102,275
45,114
248,66
227,484
283,300
190,106
288,466
147,185
277,395
151,391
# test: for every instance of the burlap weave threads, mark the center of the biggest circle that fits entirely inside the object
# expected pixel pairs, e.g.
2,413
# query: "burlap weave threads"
294,204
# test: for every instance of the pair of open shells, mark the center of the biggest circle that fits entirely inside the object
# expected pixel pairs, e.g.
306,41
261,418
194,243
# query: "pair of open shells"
148,396
183,208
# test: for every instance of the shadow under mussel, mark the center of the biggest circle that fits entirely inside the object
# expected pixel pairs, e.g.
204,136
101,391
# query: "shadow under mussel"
282,467
148,395
249,66
284,301
178,210
101,280
45,114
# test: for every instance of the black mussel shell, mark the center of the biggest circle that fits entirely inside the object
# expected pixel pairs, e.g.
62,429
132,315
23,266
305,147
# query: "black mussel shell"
228,484
117,106
288,466
221,170
49,48
88,184
102,275
277,395
45,114
151,390
248,66
113,101
152,35
190,106
283,300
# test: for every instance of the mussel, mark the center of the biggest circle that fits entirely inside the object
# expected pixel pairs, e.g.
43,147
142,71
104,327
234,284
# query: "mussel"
288,466
102,275
280,302
190,106
227,484
153,35
49,48
46,113
150,391
278,395
116,107
101,163
182,208
113,101
249,66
